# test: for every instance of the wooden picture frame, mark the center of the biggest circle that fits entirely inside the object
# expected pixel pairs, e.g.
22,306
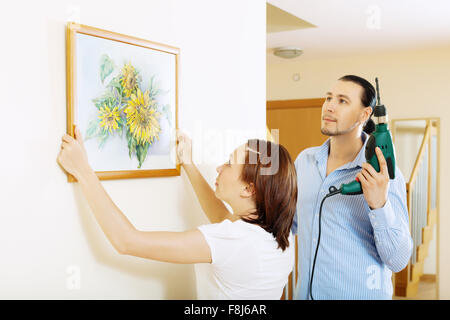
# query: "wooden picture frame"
120,121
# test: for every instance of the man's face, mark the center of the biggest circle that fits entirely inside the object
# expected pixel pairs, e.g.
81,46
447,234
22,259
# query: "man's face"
342,110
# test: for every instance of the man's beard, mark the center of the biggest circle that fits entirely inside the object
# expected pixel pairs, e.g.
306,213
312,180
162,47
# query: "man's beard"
338,132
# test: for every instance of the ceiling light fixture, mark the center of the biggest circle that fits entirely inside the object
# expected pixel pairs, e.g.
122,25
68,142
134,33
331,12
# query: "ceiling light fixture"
287,52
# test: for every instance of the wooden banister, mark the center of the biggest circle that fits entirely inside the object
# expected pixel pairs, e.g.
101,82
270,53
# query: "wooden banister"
425,142
406,281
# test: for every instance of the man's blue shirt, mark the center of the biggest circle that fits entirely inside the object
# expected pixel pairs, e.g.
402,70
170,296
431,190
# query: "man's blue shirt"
359,247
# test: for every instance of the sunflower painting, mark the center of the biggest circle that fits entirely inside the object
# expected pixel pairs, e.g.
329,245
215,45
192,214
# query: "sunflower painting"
126,102
123,107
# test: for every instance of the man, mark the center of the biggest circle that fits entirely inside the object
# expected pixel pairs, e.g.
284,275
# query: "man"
364,238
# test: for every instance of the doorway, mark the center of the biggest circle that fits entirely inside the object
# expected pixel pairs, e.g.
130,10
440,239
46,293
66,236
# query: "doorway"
298,122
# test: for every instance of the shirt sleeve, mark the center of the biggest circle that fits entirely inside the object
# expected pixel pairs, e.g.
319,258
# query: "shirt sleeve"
391,227
222,239
294,227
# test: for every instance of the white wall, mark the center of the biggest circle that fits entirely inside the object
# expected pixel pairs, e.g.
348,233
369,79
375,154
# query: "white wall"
413,84
47,232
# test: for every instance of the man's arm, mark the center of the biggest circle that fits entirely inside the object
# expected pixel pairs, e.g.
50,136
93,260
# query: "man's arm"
391,227
388,213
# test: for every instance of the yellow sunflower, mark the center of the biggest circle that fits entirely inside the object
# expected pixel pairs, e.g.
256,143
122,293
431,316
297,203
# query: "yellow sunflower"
142,118
109,118
129,79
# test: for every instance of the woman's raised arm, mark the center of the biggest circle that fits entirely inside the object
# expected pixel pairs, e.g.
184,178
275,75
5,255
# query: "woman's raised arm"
214,208
177,247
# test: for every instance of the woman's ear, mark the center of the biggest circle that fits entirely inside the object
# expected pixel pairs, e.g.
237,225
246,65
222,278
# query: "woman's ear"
248,191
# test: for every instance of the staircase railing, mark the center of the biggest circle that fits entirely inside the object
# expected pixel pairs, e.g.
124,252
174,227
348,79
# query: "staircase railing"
422,200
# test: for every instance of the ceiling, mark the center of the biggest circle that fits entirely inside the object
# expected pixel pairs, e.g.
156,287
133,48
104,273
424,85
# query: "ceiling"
342,27
279,20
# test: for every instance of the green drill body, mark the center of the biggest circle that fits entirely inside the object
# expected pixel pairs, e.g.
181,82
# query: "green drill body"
381,138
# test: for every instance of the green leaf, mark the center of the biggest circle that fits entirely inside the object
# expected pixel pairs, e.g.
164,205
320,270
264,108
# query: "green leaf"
131,144
139,151
97,102
145,148
103,138
107,98
166,110
93,129
130,151
117,96
120,129
152,88
115,83
106,67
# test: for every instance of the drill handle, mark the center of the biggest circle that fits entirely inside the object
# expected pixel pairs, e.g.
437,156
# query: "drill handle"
386,146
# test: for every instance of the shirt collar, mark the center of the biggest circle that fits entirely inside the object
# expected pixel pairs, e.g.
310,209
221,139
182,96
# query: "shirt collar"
322,154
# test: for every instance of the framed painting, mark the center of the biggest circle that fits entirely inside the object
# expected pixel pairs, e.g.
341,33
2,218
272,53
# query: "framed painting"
122,93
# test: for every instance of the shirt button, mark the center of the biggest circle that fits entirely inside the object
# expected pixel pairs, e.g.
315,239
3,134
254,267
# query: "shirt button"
374,224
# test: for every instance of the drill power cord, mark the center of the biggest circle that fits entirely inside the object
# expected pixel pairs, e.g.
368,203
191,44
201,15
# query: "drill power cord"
332,191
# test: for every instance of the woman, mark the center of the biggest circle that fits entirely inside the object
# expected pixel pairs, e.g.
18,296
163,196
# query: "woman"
250,253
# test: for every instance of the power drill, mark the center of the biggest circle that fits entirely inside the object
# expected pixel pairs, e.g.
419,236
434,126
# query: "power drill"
381,138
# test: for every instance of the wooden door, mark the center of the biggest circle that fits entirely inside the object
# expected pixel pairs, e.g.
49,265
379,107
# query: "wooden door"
298,122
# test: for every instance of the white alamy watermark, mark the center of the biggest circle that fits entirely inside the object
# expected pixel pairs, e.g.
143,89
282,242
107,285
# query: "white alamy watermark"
73,280
73,13
373,21
379,278
213,147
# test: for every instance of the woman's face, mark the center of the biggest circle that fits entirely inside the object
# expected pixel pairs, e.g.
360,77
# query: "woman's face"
229,186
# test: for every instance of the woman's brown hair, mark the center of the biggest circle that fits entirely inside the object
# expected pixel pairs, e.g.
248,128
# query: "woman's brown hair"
269,167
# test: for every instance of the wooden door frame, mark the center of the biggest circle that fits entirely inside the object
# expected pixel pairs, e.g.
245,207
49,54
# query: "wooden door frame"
295,103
